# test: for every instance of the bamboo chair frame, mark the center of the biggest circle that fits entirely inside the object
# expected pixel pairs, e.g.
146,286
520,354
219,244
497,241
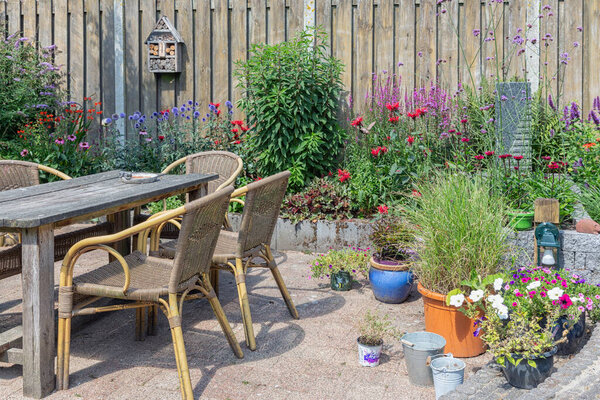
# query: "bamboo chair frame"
171,307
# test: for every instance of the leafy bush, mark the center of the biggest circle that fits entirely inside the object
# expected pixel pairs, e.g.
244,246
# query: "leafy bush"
322,199
460,230
352,260
292,91
27,83
590,198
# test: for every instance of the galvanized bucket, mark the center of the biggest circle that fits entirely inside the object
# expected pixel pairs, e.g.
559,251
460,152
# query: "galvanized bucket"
448,373
417,347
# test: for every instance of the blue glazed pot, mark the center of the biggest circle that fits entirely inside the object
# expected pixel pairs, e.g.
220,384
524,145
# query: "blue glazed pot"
389,285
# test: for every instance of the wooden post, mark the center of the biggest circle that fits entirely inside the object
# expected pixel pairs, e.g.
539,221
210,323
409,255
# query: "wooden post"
39,343
545,210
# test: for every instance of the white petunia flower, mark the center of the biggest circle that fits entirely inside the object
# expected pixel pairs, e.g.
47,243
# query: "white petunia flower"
555,293
457,300
496,300
476,295
534,285
498,284
502,311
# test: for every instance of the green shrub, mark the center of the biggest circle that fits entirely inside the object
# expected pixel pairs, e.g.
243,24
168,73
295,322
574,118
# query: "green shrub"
460,229
590,198
322,199
292,91
27,83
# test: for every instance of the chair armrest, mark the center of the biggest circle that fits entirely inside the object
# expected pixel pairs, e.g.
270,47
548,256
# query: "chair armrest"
173,165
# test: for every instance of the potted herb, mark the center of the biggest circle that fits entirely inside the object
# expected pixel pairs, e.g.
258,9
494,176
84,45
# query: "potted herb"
390,276
460,234
341,266
373,329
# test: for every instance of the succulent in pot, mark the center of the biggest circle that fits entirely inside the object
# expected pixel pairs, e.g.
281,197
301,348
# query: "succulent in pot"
341,266
390,275
373,329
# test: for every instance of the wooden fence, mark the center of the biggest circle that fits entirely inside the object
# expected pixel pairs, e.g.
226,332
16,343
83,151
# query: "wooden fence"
103,52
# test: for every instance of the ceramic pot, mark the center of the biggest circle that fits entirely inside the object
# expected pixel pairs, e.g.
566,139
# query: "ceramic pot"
524,376
451,324
391,282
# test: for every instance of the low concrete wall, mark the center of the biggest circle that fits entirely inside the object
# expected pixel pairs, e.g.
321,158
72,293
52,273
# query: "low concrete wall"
580,251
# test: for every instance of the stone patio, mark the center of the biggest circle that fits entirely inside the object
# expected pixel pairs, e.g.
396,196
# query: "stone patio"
314,357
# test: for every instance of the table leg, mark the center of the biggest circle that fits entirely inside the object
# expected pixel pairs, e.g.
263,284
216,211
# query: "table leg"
39,345
122,221
200,192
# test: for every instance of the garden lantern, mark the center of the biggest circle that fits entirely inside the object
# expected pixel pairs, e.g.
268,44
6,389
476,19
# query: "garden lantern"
165,47
548,240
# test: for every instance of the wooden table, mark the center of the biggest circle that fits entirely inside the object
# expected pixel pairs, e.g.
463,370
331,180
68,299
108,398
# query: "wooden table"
35,211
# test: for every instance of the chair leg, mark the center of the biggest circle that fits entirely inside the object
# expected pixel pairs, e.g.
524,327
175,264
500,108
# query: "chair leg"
63,353
152,320
222,318
240,278
140,317
214,280
279,279
179,348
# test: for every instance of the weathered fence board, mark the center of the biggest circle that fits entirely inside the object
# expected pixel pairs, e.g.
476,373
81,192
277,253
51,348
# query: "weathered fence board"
412,38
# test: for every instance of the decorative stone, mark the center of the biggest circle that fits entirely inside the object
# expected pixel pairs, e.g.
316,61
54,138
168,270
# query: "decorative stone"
588,226
513,129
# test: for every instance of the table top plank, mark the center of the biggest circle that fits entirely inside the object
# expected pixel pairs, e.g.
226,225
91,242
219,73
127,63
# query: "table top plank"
64,200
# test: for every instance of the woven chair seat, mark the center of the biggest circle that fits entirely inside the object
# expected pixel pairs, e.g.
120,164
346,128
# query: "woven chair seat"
145,272
10,257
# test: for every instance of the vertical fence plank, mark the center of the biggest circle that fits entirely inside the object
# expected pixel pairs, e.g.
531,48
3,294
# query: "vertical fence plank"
426,34
45,23
384,37
469,60
238,46
13,8
447,44
92,47
516,18
148,80
591,56
185,25
363,76
573,70
77,51
167,81
342,40
131,53
323,19
220,53
405,43
258,25
276,19
61,38
549,50
203,56
3,17
29,19
295,18
107,66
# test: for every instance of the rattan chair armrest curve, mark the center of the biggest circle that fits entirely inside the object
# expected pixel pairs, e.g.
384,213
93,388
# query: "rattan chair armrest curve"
115,237
174,164
233,177
53,171
67,268
239,192
157,230
239,201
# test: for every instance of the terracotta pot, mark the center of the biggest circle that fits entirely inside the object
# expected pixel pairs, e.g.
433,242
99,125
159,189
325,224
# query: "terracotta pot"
451,324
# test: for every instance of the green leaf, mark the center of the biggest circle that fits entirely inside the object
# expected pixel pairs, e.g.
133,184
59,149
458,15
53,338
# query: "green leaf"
532,363
452,293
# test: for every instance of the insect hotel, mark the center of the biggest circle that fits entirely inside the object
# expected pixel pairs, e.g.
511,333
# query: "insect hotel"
165,46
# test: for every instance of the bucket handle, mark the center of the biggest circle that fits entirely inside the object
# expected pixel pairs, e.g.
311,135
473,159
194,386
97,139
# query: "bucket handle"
433,357
406,342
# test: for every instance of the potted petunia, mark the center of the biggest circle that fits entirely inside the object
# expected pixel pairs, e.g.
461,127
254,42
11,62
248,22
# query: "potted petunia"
341,267
393,242
460,231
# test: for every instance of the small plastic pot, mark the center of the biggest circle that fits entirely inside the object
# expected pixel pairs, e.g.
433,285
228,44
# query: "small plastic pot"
341,281
524,376
521,220
368,356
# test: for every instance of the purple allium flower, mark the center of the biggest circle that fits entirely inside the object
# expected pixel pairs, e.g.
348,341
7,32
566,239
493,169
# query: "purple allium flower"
122,115
196,114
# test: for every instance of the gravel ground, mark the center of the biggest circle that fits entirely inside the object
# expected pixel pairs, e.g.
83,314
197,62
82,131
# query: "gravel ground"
314,357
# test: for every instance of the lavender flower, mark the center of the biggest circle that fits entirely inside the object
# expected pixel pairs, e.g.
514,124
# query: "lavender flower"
575,111
551,103
594,117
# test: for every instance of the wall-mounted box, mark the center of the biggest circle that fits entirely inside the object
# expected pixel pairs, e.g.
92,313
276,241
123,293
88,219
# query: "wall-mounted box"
165,48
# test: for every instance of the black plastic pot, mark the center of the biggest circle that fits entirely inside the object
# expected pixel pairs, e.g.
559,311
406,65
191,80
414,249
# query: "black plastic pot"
524,376
574,336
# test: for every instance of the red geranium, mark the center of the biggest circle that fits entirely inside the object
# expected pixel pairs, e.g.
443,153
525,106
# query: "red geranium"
489,153
383,209
343,175
393,120
410,140
357,121
393,107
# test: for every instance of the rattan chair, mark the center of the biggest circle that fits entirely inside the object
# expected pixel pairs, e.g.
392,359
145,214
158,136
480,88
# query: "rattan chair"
18,174
223,163
236,251
146,280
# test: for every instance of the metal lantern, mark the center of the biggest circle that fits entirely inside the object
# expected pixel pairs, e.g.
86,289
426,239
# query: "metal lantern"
548,245
165,46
